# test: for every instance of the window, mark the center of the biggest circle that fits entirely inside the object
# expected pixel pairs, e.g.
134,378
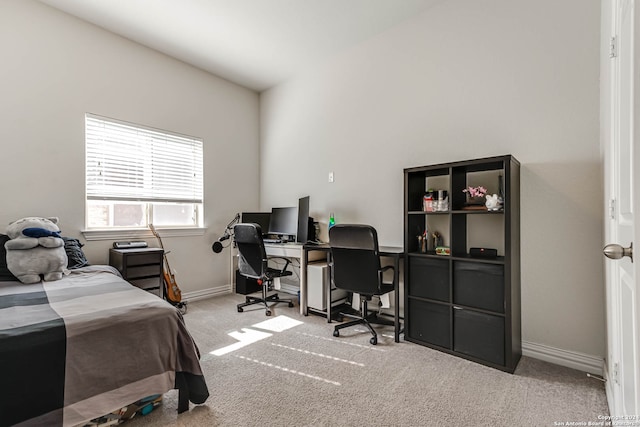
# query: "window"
137,175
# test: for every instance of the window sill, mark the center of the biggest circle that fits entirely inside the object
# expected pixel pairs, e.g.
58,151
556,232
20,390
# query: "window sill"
141,233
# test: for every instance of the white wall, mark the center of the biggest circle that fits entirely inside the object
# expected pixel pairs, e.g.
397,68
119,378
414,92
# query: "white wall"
54,68
466,79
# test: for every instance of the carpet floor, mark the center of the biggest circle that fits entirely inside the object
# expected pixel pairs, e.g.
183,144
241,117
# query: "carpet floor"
289,370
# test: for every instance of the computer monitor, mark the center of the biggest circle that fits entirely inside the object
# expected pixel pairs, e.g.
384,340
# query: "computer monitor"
303,220
260,218
284,222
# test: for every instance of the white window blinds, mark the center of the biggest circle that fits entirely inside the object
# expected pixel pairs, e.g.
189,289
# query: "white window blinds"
132,163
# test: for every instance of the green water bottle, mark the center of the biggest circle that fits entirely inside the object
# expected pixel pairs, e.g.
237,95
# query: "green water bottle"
332,220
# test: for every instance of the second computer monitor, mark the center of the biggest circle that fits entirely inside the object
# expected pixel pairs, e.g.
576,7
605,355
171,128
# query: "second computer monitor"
260,218
284,222
303,220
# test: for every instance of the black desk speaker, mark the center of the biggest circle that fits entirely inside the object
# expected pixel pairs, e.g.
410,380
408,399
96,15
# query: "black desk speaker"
483,252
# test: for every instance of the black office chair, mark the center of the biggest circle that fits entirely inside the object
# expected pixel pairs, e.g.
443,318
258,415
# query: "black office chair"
252,263
355,267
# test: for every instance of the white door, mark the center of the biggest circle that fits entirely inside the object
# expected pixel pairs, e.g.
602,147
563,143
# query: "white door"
620,102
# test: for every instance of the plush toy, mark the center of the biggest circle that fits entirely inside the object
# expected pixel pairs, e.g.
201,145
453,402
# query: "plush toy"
35,248
493,203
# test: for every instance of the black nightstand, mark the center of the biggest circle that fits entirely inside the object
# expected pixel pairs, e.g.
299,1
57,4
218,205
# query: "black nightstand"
142,267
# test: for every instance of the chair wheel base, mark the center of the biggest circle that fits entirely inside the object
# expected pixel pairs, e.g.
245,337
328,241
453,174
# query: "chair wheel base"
265,301
373,340
336,333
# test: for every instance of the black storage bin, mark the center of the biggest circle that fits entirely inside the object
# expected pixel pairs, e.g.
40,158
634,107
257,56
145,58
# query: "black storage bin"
479,335
429,278
479,285
246,286
429,322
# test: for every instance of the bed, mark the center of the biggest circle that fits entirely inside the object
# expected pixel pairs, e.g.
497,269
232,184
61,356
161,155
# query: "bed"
75,349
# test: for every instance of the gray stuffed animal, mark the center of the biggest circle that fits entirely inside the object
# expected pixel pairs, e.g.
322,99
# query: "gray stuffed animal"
35,248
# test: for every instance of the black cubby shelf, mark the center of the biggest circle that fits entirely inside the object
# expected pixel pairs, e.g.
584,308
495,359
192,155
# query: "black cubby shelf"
460,304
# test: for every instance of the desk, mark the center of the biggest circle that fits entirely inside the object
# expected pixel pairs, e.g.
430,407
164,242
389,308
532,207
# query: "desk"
296,251
396,253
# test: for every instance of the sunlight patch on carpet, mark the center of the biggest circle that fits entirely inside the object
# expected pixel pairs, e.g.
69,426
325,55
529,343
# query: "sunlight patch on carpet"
369,347
311,353
278,324
248,336
291,371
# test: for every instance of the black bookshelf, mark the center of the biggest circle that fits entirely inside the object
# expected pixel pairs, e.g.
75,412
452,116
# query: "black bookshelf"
461,304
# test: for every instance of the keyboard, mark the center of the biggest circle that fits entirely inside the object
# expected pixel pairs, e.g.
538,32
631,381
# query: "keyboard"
272,240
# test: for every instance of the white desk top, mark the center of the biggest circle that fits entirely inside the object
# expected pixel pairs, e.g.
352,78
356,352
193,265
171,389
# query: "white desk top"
391,249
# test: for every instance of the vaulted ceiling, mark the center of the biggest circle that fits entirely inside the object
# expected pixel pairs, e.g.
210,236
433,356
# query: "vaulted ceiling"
255,43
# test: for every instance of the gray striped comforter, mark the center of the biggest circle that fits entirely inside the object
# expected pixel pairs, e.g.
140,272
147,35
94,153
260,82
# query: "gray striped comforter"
74,349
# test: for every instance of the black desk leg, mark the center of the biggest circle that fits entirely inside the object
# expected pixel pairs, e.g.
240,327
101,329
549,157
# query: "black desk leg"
329,305
304,296
396,291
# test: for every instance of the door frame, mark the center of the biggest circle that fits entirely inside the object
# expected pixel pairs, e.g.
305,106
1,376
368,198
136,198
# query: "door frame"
613,368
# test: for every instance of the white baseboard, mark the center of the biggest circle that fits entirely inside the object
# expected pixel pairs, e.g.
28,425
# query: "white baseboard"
570,359
206,293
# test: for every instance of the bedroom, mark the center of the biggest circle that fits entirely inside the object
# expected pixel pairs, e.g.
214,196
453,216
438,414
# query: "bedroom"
512,77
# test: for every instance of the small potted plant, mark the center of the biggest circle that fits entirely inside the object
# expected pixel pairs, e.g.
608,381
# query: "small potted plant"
475,195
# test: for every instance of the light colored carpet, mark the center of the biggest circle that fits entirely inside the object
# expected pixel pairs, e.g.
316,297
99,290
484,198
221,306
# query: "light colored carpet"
303,376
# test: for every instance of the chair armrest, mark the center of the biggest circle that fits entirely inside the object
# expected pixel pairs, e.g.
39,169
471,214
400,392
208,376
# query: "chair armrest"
388,267
287,261
381,272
